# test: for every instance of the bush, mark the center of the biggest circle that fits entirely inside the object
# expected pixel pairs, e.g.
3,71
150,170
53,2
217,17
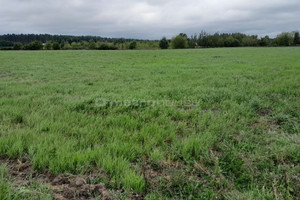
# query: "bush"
296,38
284,39
6,43
132,45
48,45
106,46
231,42
92,45
163,43
179,42
56,46
76,45
112,47
6,48
265,41
17,46
66,46
103,46
36,45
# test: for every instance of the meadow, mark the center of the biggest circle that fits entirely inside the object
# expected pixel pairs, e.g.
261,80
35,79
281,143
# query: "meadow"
218,123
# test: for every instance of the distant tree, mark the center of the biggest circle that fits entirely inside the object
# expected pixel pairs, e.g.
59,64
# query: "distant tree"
92,45
163,43
284,39
36,45
66,46
183,35
132,45
4,43
106,46
229,41
296,38
249,41
202,38
17,46
27,38
56,46
103,46
84,45
265,41
179,42
48,45
112,46
192,41
220,42
236,43
76,46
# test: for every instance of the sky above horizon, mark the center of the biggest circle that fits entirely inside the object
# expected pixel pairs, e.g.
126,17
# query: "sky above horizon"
148,19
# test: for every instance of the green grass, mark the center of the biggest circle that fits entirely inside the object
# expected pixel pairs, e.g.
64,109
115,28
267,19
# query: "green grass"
213,123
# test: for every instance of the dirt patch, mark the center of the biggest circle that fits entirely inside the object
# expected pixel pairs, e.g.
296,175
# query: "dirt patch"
5,74
155,175
264,112
266,124
63,186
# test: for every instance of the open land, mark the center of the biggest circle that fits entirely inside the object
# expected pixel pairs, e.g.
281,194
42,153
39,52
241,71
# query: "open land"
150,124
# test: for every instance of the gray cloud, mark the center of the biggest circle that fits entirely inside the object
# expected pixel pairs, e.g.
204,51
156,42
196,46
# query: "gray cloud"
150,19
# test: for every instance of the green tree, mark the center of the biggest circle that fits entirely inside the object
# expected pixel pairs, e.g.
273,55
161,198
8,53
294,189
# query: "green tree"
284,39
36,45
92,44
296,38
220,42
4,43
229,41
183,35
17,46
163,43
66,46
84,45
76,45
179,42
265,41
132,45
249,41
192,41
103,46
56,46
48,45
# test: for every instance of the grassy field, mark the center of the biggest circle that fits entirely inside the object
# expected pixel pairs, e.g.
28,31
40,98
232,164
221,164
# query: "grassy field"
162,124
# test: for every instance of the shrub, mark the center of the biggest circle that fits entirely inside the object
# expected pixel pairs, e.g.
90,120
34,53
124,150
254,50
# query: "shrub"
132,45
92,45
179,42
106,46
17,46
284,39
48,45
66,46
296,38
36,45
163,43
56,46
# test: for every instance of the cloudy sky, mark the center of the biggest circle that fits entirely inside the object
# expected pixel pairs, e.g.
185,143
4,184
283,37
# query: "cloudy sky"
148,19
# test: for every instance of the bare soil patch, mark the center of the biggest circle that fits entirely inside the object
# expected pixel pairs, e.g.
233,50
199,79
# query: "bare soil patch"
62,187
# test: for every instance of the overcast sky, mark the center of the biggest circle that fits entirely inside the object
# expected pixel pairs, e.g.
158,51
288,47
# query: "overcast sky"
148,19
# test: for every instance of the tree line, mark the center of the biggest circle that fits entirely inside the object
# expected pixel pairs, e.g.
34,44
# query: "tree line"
206,40
27,38
65,42
201,40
